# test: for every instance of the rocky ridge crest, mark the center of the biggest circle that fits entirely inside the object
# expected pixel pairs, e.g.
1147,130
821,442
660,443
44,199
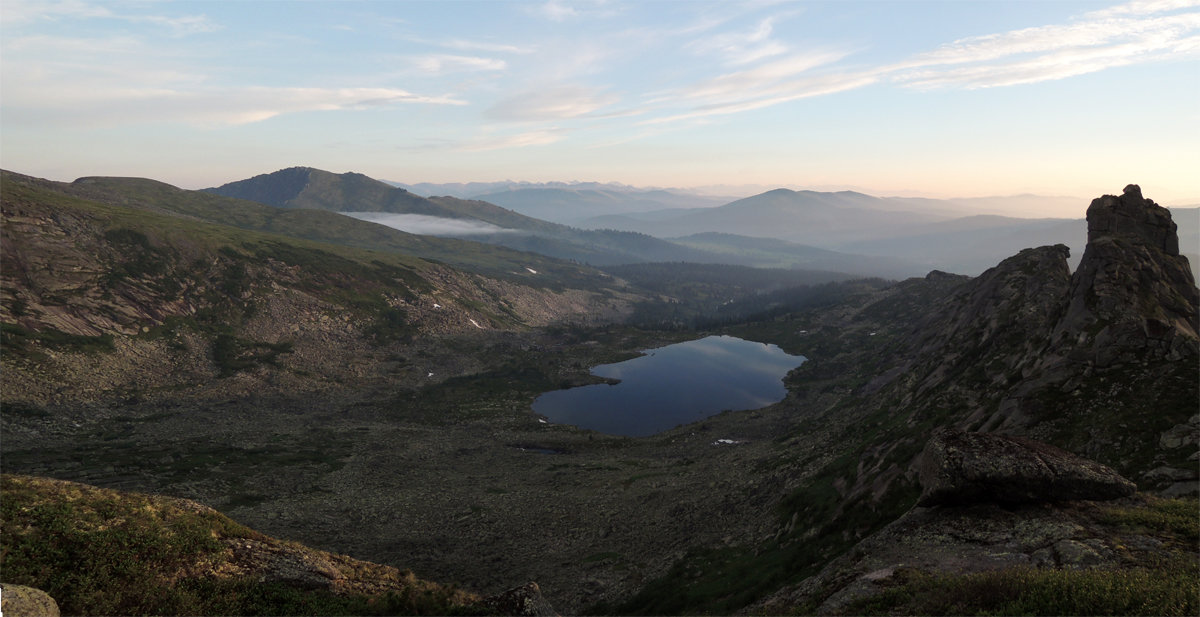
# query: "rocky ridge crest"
1030,349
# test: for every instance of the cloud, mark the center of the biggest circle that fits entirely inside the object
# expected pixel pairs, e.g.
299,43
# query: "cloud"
441,64
1120,36
540,137
466,45
742,47
1143,7
73,46
1047,67
560,10
554,103
749,83
430,225
106,105
179,26
1134,33
26,11
472,45
781,93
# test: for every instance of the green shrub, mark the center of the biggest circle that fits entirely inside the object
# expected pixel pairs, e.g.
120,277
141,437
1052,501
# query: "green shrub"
1171,590
1176,517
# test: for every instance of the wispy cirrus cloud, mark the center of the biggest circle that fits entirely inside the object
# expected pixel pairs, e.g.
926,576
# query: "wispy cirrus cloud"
469,45
754,82
1133,33
559,10
20,12
1142,7
777,94
460,44
442,64
539,137
1124,35
25,11
551,103
743,47
78,104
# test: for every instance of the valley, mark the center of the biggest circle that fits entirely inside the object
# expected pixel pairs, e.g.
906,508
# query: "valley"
366,391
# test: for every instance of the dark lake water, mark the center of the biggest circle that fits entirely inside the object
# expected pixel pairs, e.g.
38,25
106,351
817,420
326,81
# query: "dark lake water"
674,385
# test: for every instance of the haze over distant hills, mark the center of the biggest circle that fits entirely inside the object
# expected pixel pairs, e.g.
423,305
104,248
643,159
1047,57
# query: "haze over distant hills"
616,224
367,199
571,202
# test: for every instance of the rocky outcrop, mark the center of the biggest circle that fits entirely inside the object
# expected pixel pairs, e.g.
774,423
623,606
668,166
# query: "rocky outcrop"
22,601
959,468
983,538
526,601
1135,217
1133,293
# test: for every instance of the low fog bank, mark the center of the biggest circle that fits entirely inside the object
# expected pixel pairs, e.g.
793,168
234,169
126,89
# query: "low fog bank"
429,225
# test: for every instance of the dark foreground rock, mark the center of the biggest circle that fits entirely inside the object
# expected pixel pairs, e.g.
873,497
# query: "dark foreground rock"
525,600
959,468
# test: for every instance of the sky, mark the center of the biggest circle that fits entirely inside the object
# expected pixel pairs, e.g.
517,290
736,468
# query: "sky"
941,99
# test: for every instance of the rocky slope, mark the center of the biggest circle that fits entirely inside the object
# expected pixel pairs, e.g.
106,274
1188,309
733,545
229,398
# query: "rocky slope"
1100,362
1029,348
1014,515
170,303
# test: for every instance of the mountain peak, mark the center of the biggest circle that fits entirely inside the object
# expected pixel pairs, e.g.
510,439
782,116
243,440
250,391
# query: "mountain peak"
1132,288
1132,216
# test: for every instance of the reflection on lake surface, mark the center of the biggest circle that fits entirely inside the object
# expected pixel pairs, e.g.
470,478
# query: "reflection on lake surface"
674,385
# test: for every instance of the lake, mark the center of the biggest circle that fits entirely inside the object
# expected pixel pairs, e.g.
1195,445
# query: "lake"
674,385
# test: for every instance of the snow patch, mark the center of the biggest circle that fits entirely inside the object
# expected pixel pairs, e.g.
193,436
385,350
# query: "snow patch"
475,323
531,270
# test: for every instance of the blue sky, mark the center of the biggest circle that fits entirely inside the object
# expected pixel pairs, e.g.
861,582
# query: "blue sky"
913,98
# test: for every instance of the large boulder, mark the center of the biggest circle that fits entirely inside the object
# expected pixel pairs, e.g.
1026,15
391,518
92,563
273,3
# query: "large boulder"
526,601
959,468
22,601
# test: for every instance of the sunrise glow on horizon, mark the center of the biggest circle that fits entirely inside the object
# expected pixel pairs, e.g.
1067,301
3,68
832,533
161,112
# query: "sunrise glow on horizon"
889,98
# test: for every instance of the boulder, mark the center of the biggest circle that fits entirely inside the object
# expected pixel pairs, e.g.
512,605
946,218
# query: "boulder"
22,601
525,600
960,468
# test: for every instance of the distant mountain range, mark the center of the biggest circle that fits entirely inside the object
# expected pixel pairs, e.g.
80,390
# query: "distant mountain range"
616,224
482,221
570,203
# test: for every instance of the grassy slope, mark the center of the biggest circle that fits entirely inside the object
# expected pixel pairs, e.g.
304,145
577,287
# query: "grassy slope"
104,552
1142,586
